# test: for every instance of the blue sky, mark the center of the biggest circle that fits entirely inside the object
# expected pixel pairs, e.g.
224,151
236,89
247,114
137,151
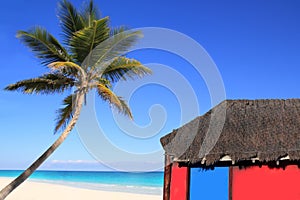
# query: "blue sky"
255,45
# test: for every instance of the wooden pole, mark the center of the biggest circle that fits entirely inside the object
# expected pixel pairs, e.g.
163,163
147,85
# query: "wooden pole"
167,177
188,184
230,182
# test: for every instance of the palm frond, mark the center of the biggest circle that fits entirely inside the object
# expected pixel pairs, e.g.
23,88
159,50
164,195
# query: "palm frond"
67,68
64,113
90,13
124,68
108,95
85,40
125,110
45,84
113,47
43,45
104,82
117,30
70,20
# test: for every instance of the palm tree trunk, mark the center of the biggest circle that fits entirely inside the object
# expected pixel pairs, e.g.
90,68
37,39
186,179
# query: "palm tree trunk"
21,178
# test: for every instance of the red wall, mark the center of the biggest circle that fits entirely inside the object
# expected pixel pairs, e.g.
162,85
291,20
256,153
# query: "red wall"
265,183
179,183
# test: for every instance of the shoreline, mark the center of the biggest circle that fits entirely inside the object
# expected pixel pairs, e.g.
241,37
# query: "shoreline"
35,189
146,190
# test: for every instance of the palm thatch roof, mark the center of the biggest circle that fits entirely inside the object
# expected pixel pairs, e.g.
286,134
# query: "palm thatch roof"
237,131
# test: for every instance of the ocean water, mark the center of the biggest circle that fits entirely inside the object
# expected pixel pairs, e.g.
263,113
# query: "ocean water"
143,183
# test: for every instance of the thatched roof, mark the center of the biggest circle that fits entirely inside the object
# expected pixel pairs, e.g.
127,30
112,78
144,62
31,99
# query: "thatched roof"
259,131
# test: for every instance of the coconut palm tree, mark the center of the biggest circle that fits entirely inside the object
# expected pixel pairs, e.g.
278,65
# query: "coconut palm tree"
92,57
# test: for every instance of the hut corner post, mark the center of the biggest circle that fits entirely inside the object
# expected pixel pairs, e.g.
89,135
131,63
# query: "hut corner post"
167,177
230,183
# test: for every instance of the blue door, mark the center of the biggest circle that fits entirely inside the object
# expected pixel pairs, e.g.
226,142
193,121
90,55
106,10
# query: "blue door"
210,184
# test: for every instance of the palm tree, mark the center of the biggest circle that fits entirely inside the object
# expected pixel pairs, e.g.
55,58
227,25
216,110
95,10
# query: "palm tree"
91,59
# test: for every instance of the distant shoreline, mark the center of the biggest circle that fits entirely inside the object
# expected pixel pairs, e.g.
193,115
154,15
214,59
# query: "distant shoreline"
136,183
48,191
105,187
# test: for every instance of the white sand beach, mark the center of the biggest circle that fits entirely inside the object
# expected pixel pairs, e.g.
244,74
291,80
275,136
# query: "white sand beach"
30,190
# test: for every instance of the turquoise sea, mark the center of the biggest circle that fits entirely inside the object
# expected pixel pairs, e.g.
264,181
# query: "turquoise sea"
144,183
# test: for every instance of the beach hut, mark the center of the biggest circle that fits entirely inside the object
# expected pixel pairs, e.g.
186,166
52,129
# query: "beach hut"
258,141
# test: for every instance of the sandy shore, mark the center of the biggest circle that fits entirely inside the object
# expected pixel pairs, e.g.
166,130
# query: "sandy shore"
30,190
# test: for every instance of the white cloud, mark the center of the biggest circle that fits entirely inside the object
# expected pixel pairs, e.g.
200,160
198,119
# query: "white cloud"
74,162
94,165
82,165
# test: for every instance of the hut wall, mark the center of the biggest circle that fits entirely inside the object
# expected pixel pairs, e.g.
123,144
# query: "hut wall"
265,183
179,183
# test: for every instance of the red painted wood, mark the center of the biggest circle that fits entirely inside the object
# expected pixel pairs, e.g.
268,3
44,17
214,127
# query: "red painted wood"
179,183
265,183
